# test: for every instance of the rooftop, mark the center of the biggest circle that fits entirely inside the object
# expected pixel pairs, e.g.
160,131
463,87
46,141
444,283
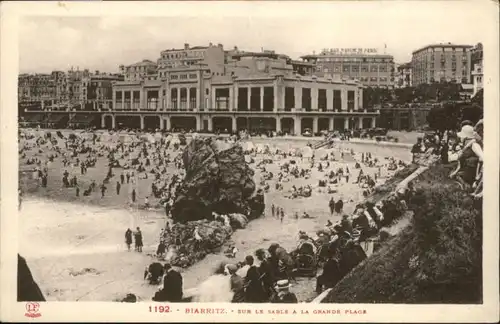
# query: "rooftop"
257,54
143,63
442,45
296,62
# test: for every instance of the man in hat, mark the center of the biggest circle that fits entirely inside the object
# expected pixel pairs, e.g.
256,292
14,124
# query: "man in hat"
346,224
284,295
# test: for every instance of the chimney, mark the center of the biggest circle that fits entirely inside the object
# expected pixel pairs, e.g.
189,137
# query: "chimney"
186,46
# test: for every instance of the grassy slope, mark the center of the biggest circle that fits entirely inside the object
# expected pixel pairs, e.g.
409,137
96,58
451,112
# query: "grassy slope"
436,259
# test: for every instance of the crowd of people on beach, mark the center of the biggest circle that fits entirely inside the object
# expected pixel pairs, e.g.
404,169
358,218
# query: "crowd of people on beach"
268,273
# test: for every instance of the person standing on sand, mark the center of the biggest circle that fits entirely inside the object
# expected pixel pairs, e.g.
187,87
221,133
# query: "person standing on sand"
282,215
128,238
331,204
103,190
133,195
118,187
138,240
122,178
77,191
272,209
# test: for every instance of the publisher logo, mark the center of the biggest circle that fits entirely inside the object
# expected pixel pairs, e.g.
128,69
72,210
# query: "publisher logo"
32,310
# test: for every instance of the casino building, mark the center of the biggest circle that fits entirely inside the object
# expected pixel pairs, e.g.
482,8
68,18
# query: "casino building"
206,89
235,91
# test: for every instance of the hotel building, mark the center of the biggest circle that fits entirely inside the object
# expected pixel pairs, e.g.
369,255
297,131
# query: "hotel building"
440,63
243,90
366,66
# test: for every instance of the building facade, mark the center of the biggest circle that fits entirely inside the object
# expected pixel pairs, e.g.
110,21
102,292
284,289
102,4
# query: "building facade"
477,78
37,90
72,90
100,90
372,70
139,70
441,63
210,55
254,91
404,76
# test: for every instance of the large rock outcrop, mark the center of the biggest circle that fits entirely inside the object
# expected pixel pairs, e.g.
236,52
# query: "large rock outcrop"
215,181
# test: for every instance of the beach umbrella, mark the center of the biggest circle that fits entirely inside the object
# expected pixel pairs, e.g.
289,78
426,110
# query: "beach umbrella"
307,152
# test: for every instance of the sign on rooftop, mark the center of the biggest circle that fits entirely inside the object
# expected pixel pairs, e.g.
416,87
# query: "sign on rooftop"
349,51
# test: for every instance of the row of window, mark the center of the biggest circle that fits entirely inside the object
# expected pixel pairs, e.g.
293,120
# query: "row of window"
444,79
375,79
179,76
142,68
348,59
439,49
356,68
443,49
183,54
464,72
174,64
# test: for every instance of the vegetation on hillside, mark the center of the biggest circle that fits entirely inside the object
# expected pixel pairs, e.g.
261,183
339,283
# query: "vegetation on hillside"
433,92
436,259
450,115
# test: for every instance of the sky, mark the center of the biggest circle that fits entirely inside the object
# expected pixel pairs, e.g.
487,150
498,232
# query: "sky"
103,42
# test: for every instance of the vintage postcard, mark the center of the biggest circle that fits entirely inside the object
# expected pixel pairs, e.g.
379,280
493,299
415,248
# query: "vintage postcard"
250,161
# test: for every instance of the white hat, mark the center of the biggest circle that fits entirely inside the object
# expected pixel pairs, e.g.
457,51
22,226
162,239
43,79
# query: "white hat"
466,132
282,284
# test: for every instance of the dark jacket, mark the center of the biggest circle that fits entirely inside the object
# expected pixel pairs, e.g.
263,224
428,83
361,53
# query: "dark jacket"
287,298
330,274
172,286
254,292
267,276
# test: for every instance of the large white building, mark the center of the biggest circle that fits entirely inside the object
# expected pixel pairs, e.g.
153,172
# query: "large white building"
255,91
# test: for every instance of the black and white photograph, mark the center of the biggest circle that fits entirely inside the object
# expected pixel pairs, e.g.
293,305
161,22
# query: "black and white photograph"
313,158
